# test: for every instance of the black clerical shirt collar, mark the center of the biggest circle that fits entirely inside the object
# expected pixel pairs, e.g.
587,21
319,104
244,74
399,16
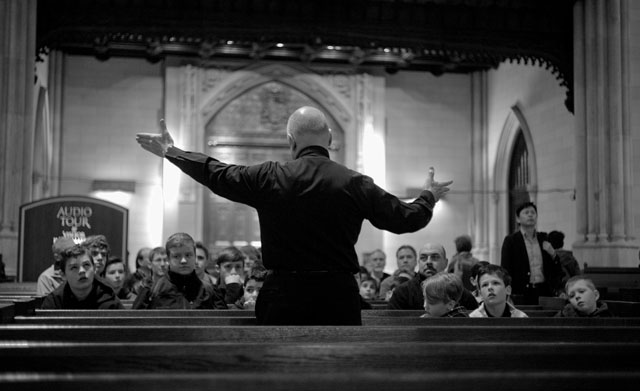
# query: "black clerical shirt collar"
313,150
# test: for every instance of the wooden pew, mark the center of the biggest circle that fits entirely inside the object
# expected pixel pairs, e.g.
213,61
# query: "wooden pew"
552,303
623,308
23,305
7,312
138,320
486,353
250,320
349,334
363,380
618,308
613,279
26,288
261,357
241,313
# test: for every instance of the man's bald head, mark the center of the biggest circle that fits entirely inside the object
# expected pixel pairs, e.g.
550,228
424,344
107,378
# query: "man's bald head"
307,126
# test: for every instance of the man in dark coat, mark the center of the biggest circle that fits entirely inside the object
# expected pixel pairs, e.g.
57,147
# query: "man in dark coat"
311,211
530,259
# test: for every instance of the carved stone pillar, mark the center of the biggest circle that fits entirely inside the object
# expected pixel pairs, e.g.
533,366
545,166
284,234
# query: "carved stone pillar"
603,138
17,59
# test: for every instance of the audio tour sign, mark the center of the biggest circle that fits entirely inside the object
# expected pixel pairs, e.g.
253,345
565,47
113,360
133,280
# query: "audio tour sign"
75,217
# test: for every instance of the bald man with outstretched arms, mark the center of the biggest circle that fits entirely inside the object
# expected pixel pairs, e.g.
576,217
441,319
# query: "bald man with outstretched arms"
311,211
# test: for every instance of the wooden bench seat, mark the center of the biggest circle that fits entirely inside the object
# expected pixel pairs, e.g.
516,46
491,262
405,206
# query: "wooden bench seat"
29,288
201,313
618,308
613,279
261,357
23,305
7,312
250,320
351,334
362,380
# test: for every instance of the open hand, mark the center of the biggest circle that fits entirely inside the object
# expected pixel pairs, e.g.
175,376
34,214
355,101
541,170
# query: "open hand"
233,279
438,189
158,144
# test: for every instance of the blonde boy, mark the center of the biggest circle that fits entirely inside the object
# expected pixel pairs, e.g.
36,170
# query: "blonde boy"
583,299
442,293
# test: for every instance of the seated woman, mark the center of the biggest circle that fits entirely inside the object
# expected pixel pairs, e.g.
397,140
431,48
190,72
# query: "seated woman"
116,274
81,291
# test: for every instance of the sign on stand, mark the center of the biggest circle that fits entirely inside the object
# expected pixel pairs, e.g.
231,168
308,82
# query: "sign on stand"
75,217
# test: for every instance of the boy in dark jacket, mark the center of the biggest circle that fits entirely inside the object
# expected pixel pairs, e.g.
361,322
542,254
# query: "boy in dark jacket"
583,300
180,288
82,290
231,264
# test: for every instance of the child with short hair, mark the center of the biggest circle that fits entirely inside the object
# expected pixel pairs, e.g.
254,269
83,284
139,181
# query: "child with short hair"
494,283
231,264
583,300
82,290
442,293
368,287
252,285
180,287
202,260
99,250
116,274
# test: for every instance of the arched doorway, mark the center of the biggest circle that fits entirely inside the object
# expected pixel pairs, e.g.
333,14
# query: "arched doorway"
519,178
251,129
515,177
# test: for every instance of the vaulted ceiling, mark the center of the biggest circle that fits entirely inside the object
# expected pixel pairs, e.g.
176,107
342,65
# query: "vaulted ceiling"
437,36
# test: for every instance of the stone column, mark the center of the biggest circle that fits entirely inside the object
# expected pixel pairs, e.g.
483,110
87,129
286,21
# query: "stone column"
17,60
479,197
603,138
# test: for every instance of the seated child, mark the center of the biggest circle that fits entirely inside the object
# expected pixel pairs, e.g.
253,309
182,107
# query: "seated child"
442,293
583,300
252,286
463,267
116,274
360,276
399,277
159,267
231,263
180,287
473,279
494,283
99,250
368,288
202,261
81,291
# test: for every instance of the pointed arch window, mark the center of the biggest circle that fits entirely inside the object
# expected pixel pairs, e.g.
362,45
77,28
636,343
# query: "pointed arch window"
519,178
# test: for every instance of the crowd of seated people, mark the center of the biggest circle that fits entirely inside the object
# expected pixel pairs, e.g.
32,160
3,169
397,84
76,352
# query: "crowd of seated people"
182,275
174,276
